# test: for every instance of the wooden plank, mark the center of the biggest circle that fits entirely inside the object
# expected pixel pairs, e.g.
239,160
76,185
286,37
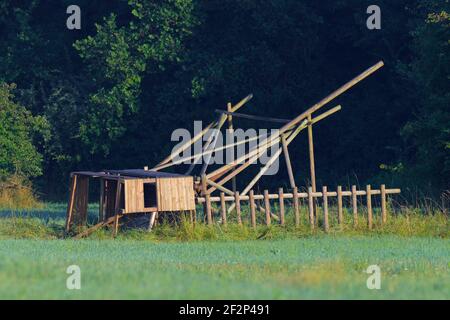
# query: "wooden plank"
223,208
101,212
219,187
296,207
175,194
369,207
288,161
208,209
72,189
326,226
267,207
355,206
252,208
333,95
311,207
237,202
252,117
281,202
339,203
79,216
383,204
117,208
231,131
312,166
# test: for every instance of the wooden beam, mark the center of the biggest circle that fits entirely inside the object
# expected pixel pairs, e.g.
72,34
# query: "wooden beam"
311,155
355,206
339,202
231,131
267,207
369,206
117,208
252,209
311,207
72,189
296,207
237,201
281,202
288,161
223,208
383,204
333,95
326,226
252,117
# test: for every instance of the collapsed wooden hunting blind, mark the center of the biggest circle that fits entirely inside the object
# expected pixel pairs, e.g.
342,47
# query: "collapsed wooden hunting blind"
129,191
125,192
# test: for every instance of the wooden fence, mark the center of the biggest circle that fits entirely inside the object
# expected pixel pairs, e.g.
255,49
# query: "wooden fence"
311,197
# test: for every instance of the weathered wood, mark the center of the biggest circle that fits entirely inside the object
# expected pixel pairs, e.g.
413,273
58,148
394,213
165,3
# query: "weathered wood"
312,166
117,209
101,211
383,204
311,207
267,207
326,226
252,208
332,95
339,203
72,189
355,206
369,207
252,117
296,207
231,131
281,202
237,202
81,200
175,193
223,209
288,161
87,232
219,187
151,221
207,209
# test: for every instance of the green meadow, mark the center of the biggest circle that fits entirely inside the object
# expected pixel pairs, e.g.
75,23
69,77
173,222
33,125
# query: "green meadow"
183,262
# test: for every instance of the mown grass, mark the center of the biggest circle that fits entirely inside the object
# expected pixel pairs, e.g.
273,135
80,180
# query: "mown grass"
325,267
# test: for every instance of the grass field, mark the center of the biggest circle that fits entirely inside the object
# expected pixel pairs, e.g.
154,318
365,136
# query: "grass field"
232,263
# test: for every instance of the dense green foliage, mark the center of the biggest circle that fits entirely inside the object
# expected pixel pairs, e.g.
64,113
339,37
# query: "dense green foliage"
18,155
314,268
114,91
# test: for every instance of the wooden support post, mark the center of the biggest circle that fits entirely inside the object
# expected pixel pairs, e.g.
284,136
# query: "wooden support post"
72,189
237,201
267,207
312,167
288,161
117,208
311,207
223,208
339,203
151,221
252,208
101,205
281,201
369,206
231,130
326,226
383,204
296,207
355,206
207,207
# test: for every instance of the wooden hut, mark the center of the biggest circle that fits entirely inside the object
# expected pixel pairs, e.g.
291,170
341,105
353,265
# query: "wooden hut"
129,191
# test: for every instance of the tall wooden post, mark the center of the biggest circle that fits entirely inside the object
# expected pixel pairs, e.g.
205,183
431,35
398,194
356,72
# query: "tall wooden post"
231,131
288,161
237,200
326,226
73,186
252,208
281,201
369,206
383,204
223,208
267,207
311,154
339,202
311,207
355,206
296,207
117,208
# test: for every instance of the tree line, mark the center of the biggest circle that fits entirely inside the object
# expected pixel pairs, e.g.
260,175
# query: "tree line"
109,95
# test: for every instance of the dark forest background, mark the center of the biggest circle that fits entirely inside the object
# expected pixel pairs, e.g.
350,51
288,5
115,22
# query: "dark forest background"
110,95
